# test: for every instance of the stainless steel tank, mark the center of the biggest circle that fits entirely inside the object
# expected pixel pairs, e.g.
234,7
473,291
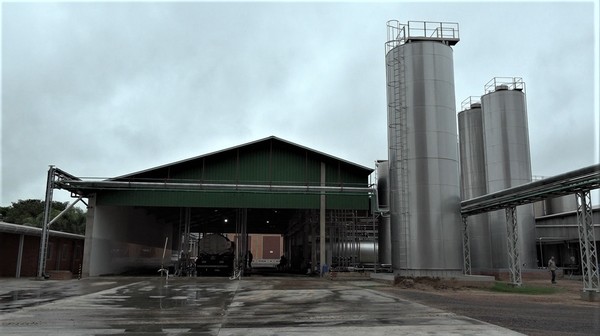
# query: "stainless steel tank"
473,179
508,163
384,233
560,204
423,154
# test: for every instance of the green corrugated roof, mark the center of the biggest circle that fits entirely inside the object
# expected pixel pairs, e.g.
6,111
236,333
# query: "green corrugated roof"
267,162
272,139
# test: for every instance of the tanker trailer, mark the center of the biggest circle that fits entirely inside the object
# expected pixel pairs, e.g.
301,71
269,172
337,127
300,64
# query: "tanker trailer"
215,255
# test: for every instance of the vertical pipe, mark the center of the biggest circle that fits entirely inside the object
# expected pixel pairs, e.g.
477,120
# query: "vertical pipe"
322,235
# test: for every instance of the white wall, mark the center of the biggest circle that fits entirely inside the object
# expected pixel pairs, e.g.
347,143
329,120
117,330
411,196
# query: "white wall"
120,239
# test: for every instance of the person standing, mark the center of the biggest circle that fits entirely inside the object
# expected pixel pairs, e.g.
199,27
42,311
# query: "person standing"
552,268
250,257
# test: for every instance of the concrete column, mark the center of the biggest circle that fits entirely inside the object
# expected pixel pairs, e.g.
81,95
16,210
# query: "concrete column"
89,242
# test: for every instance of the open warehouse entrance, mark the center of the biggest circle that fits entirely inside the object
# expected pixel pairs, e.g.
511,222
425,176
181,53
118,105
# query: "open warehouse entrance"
270,187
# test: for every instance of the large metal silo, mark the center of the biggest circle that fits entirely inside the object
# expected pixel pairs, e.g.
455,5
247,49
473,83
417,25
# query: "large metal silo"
508,163
423,155
473,179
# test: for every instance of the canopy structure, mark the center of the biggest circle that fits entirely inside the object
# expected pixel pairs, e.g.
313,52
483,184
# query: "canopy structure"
267,186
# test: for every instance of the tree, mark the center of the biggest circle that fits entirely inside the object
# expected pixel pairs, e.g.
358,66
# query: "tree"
31,212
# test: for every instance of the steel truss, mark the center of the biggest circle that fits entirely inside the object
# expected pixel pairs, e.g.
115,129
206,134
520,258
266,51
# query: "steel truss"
466,247
587,242
514,258
578,182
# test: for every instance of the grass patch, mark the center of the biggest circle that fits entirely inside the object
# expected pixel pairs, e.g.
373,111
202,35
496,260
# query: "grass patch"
524,289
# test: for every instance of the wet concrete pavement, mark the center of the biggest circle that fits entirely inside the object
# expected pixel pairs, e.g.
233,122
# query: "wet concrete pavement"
219,306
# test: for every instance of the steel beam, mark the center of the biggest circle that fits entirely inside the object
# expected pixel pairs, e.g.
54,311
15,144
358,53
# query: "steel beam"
514,259
587,242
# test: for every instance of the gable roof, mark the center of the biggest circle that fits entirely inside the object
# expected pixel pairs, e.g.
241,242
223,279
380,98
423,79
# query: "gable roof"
270,138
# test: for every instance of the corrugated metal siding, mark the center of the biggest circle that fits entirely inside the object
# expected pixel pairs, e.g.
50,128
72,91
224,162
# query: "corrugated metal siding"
268,162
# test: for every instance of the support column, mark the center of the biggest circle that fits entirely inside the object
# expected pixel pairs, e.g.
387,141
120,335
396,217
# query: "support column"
514,260
466,247
322,233
44,238
313,244
587,242
20,255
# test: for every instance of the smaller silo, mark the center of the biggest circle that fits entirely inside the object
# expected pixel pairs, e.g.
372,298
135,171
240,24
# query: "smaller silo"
508,162
473,178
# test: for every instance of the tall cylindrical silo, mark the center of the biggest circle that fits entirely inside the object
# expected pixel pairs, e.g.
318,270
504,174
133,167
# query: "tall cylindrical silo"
508,163
423,155
473,179
384,233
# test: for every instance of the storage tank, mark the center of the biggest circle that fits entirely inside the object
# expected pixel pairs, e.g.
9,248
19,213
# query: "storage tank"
560,204
473,178
384,233
423,154
508,163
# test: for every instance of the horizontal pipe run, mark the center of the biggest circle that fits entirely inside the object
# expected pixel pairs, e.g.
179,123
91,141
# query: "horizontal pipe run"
587,178
171,186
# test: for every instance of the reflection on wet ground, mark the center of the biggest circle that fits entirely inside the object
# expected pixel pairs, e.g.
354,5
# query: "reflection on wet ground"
218,306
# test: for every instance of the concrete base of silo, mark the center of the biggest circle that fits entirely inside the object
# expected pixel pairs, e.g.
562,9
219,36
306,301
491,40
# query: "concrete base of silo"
591,296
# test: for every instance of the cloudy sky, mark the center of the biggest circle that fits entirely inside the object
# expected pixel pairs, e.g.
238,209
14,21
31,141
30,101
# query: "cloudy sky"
106,89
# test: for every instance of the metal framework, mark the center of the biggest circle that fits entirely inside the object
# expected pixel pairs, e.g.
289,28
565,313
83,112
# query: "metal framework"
514,260
55,176
349,234
587,242
578,182
445,32
466,246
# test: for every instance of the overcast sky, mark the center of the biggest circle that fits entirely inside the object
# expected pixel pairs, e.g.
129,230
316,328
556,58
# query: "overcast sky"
106,89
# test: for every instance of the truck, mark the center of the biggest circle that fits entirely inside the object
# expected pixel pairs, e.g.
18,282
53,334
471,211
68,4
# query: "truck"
216,254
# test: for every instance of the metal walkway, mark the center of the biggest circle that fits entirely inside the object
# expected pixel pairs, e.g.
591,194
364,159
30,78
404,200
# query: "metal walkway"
578,182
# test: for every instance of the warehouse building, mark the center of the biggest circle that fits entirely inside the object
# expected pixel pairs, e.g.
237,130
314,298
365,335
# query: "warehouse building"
269,186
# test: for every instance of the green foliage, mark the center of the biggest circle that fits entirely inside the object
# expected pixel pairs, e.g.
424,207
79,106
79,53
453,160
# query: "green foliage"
524,289
31,212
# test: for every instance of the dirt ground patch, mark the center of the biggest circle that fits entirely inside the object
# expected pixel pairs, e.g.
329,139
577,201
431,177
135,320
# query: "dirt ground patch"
560,313
568,291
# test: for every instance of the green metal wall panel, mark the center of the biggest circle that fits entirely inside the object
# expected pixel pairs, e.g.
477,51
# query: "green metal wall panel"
266,162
